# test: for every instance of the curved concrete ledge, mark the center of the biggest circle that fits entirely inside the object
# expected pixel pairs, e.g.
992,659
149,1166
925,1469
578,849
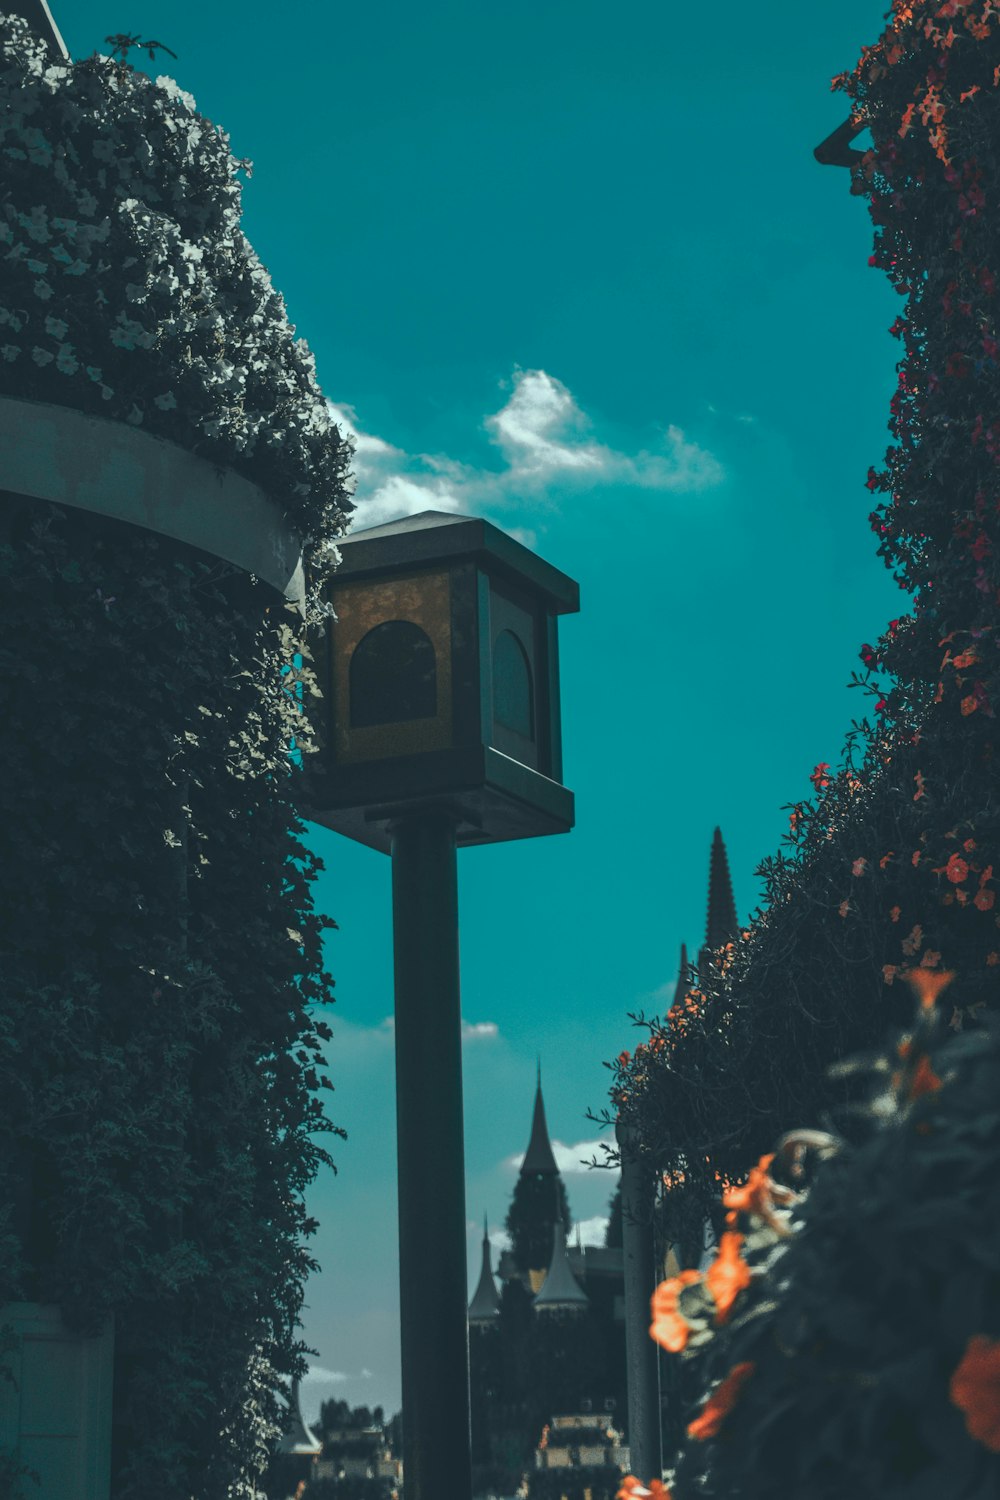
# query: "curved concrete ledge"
59,454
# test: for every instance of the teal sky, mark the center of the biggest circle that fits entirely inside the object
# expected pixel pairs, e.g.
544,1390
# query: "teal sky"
575,269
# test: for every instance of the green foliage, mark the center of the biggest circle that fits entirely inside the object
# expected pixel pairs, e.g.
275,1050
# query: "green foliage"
539,1199
855,1326
129,289
159,1053
160,1049
864,1357
893,862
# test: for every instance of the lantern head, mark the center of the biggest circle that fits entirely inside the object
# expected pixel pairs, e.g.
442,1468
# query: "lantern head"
440,675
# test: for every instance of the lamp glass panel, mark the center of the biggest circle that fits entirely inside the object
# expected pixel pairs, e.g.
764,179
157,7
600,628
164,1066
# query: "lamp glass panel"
393,676
513,697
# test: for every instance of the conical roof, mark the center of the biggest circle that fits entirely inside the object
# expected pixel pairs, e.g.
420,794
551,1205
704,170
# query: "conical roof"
683,984
39,18
721,925
485,1304
538,1157
298,1439
560,1289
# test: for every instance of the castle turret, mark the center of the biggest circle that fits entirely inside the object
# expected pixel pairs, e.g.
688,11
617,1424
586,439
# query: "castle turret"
561,1292
298,1440
539,1157
721,925
485,1305
539,1201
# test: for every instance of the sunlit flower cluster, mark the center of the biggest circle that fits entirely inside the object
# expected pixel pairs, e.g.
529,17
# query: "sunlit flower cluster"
129,289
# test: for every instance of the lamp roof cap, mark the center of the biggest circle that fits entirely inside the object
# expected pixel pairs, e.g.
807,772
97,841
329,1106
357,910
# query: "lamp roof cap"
439,536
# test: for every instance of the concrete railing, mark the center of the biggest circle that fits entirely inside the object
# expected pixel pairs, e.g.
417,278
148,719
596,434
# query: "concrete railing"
57,453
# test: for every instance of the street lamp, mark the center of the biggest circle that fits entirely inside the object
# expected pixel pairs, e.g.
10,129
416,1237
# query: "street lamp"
440,673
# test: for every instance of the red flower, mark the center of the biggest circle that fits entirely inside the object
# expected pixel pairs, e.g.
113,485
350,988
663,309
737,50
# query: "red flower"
727,1276
634,1489
721,1402
975,1390
669,1329
924,1080
956,869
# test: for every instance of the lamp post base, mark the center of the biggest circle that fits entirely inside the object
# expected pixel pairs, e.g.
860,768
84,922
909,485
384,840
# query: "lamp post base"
432,1224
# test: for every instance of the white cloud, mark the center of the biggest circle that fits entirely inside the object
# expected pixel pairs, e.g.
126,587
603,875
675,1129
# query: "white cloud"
479,1031
328,1377
546,445
572,1160
590,1231
472,1031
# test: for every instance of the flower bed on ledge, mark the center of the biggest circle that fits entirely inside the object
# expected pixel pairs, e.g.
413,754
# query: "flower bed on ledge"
127,288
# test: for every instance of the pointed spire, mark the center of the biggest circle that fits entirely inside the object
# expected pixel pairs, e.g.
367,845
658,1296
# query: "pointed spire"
561,1292
298,1439
683,985
39,18
485,1304
721,925
538,1157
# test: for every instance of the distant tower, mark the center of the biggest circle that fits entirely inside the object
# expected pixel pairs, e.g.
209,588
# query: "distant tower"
299,1449
561,1292
484,1309
721,927
683,985
539,1201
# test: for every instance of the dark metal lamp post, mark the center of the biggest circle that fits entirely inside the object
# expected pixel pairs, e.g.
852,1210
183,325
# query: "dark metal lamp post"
441,677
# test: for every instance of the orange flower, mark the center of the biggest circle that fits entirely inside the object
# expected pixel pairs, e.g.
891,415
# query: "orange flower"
928,984
984,899
858,867
669,1328
956,869
721,1402
755,1192
727,1275
924,1080
975,1389
889,972
894,913
634,1489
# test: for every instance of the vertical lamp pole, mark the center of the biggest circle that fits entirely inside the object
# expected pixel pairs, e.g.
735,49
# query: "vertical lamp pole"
641,1357
432,1232
440,669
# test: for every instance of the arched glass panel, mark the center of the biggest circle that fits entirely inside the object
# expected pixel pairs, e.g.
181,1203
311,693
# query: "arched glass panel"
393,676
513,704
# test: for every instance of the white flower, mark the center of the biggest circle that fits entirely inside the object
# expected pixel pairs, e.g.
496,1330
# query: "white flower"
66,361
166,402
56,327
43,290
134,416
42,356
10,352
